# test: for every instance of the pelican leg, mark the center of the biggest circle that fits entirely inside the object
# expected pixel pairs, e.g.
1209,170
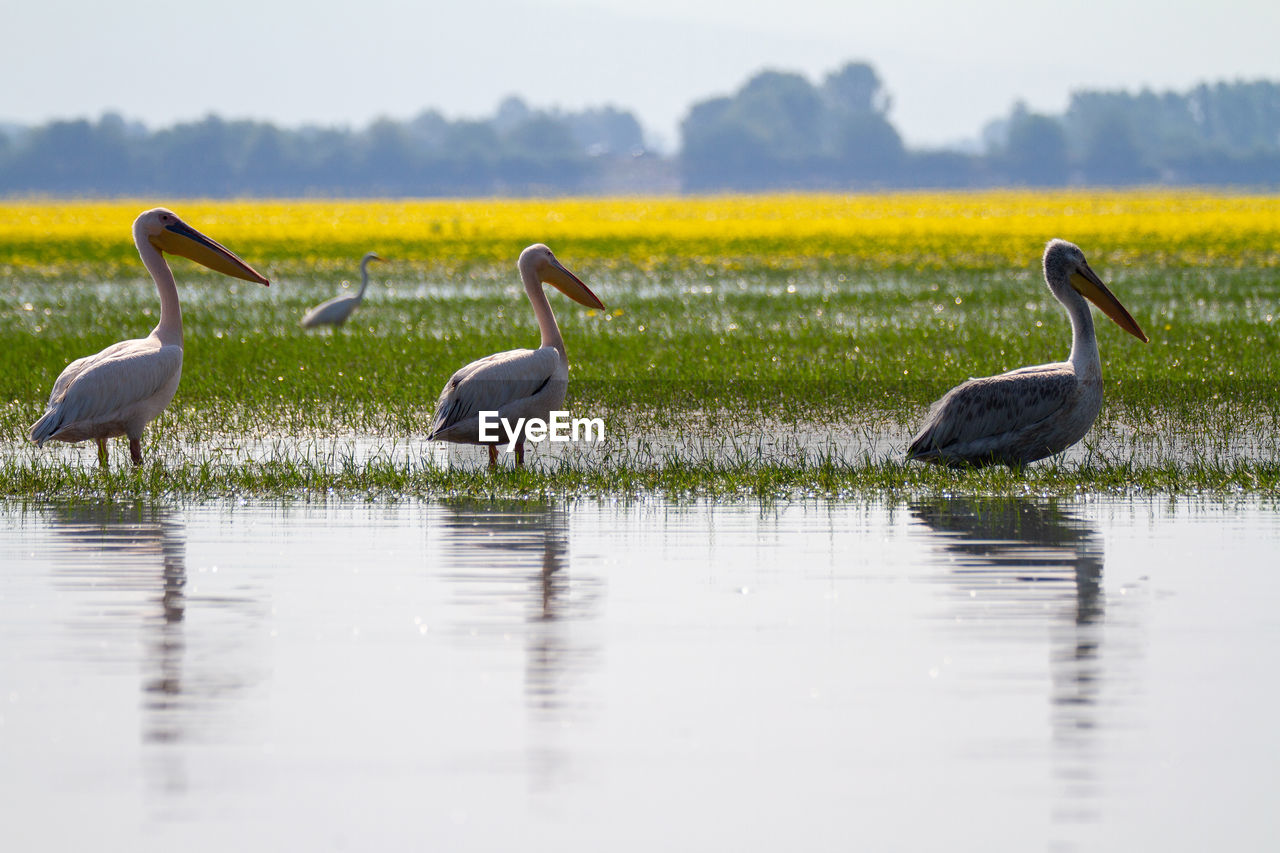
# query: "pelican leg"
519,454
102,452
135,450
493,456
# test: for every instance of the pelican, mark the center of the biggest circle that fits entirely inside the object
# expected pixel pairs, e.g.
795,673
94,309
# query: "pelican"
337,310
1032,412
521,383
123,388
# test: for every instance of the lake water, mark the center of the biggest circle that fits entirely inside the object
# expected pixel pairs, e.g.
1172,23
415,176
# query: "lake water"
948,674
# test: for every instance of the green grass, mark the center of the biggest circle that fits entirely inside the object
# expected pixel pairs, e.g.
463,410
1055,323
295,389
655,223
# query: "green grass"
710,359
808,478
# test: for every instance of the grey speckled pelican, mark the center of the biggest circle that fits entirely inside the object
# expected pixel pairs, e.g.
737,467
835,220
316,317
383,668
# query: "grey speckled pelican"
1032,412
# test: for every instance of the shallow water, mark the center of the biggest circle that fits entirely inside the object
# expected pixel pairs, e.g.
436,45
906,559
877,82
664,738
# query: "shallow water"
942,674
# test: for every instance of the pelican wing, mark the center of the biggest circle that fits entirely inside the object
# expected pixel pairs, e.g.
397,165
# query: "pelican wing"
98,386
492,383
973,419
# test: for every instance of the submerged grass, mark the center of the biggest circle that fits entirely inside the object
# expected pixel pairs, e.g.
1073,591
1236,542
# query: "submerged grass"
726,317
680,478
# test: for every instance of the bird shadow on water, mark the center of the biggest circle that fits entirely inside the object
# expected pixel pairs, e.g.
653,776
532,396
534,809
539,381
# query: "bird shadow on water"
126,567
1021,563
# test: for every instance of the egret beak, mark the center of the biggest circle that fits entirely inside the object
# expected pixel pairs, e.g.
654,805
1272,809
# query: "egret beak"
181,239
570,285
1087,283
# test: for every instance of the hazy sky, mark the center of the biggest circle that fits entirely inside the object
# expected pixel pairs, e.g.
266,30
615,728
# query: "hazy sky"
950,65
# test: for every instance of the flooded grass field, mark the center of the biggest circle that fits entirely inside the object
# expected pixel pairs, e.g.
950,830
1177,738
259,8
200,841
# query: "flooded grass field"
750,331
963,673
708,379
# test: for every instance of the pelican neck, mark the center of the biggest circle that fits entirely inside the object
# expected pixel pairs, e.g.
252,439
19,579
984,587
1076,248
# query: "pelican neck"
169,329
1084,341
547,325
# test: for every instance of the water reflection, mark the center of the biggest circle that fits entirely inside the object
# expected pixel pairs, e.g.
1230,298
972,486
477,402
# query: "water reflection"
1017,562
512,559
125,566
510,562
1016,555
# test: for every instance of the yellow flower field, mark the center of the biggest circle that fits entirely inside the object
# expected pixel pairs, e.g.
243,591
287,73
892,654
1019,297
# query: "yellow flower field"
83,239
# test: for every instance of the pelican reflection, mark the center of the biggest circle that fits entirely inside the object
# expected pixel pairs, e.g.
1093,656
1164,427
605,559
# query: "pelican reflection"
1018,562
511,559
126,566
130,561
999,543
508,564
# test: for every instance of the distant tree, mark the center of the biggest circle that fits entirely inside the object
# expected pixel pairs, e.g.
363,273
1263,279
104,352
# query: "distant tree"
326,162
196,158
1112,155
475,137
780,131
856,89
511,113
269,167
113,155
768,134
542,136
702,134
1238,117
606,130
541,151
1035,149
868,150
389,162
785,112
724,155
470,158
428,130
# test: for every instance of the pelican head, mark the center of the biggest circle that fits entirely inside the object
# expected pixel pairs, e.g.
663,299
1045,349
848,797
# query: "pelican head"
1066,267
166,232
542,264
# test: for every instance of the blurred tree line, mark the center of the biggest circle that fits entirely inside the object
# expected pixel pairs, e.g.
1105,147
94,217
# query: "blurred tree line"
1225,133
518,151
778,131
781,131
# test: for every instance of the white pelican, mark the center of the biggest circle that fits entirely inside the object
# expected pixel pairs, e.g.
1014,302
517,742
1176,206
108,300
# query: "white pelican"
121,389
521,383
336,311
1032,412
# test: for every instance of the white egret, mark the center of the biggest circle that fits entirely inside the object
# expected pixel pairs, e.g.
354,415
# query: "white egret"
337,310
